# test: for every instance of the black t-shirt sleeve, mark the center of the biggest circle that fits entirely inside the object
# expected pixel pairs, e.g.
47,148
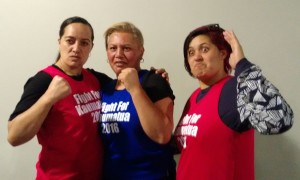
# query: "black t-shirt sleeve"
228,101
34,88
156,87
102,78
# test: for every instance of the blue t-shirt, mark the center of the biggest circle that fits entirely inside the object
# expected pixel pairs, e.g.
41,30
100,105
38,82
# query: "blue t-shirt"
129,152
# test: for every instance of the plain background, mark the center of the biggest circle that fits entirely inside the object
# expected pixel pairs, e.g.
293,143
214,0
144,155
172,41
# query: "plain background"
269,31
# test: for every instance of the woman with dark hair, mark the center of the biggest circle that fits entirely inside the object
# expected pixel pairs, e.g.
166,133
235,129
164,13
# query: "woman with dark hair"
61,105
215,133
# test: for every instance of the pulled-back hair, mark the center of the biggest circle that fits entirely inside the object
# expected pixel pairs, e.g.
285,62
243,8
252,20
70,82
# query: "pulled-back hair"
126,27
71,20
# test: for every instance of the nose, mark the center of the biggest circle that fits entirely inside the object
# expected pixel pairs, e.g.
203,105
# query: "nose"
119,52
198,56
76,47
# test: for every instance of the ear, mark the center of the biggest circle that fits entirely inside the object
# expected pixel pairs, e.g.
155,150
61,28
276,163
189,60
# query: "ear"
142,51
223,54
92,45
59,41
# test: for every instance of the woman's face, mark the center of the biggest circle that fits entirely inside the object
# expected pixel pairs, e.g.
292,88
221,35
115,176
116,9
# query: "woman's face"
205,59
123,51
75,45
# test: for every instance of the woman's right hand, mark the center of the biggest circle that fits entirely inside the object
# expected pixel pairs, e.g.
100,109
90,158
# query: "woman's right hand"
27,124
58,89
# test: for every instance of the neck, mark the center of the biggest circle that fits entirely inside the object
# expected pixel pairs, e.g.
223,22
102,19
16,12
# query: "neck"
68,70
119,85
205,83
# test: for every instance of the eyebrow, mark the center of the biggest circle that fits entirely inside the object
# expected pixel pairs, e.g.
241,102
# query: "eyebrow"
123,45
200,45
86,39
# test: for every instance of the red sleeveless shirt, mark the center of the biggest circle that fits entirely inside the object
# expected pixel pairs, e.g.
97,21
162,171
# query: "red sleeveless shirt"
209,149
71,145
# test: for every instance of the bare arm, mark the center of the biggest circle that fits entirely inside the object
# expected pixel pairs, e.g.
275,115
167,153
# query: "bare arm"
26,125
156,118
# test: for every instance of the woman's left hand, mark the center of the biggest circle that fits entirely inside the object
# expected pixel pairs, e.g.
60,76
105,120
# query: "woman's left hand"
162,72
237,50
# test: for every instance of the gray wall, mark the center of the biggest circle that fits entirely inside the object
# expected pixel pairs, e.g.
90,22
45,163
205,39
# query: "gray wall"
269,31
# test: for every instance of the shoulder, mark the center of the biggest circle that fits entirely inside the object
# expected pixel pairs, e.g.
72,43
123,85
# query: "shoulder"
40,79
156,86
102,78
37,84
34,88
150,78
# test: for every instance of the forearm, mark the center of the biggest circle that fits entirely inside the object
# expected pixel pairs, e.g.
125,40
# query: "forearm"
156,119
260,101
26,125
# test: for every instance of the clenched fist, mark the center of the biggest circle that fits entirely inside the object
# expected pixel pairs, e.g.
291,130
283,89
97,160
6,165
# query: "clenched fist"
58,89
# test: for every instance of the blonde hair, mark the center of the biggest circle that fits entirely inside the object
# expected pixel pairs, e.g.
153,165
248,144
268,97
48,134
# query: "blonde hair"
126,27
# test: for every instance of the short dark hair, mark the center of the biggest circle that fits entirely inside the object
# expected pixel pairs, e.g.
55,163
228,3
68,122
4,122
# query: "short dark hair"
215,33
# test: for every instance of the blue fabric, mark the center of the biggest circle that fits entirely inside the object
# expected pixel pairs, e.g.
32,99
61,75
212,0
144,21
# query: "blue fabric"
129,152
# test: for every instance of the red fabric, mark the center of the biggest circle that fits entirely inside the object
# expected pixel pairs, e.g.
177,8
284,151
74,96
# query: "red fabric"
71,145
212,150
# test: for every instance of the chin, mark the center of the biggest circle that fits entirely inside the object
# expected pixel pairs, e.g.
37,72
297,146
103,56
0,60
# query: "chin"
198,73
117,71
200,76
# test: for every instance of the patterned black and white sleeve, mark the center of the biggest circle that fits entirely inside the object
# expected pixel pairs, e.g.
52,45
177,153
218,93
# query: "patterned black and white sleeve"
260,102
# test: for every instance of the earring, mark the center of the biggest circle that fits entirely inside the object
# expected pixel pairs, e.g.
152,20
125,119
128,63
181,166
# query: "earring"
142,60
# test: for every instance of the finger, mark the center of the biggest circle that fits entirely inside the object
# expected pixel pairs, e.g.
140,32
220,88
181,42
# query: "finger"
228,36
160,71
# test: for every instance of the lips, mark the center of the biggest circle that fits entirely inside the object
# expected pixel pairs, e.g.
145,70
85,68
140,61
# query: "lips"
77,57
120,63
198,65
